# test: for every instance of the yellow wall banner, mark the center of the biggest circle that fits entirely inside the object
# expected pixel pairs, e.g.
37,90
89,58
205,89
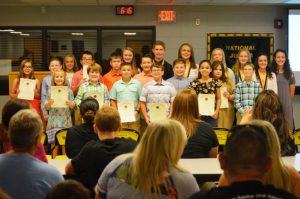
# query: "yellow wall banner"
231,43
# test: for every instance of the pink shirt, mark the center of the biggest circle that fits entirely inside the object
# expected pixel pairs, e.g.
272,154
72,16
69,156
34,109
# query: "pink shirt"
143,78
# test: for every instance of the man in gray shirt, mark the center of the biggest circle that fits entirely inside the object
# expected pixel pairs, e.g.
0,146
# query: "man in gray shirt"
22,176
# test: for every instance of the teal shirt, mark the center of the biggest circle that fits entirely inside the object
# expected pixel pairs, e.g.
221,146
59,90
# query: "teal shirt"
122,92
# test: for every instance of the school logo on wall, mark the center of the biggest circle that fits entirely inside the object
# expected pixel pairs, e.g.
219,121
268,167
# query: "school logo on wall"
231,43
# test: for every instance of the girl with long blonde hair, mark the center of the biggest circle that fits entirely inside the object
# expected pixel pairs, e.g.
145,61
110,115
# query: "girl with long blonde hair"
152,170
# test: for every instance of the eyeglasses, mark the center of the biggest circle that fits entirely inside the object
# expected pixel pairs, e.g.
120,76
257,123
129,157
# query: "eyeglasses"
84,59
156,70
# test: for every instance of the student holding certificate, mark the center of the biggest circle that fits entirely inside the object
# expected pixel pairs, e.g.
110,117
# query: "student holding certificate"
125,95
157,96
54,64
93,87
26,86
209,95
59,107
226,113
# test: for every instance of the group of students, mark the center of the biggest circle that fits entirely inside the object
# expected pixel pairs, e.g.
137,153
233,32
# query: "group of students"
156,81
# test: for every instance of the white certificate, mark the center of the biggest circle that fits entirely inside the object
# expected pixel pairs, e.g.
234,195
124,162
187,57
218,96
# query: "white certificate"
206,104
126,111
26,88
224,100
157,111
85,74
59,94
98,95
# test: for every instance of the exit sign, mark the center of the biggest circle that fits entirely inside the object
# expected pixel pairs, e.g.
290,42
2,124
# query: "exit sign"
167,16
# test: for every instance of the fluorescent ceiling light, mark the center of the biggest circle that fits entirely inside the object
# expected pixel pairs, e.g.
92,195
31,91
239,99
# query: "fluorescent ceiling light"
13,32
77,33
25,34
7,30
130,33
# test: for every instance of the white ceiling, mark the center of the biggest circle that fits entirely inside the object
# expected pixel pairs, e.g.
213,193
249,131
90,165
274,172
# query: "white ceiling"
142,2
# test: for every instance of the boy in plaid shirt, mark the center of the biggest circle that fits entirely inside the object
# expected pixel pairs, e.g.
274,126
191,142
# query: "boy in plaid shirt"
246,92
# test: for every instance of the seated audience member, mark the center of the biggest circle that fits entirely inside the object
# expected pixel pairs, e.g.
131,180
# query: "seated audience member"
152,170
9,109
23,176
178,80
245,165
280,175
95,155
268,107
78,136
202,141
69,189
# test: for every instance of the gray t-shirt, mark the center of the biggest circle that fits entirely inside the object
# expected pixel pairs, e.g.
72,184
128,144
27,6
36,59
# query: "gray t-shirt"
24,177
110,182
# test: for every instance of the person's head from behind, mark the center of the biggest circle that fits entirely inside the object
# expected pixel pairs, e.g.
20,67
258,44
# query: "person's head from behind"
94,72
158,151
24,130
115,61
267,106
246,154
107,120
185,109
88,109
179,67
87,58
69,189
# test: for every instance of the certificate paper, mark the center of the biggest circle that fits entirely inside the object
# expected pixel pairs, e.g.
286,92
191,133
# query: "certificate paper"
157,111
85,74
224,100
60,95
126,111
26,88
98,95
206,104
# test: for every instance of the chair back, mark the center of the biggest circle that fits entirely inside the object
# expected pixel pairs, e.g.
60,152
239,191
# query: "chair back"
61,137
129,133
222,134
